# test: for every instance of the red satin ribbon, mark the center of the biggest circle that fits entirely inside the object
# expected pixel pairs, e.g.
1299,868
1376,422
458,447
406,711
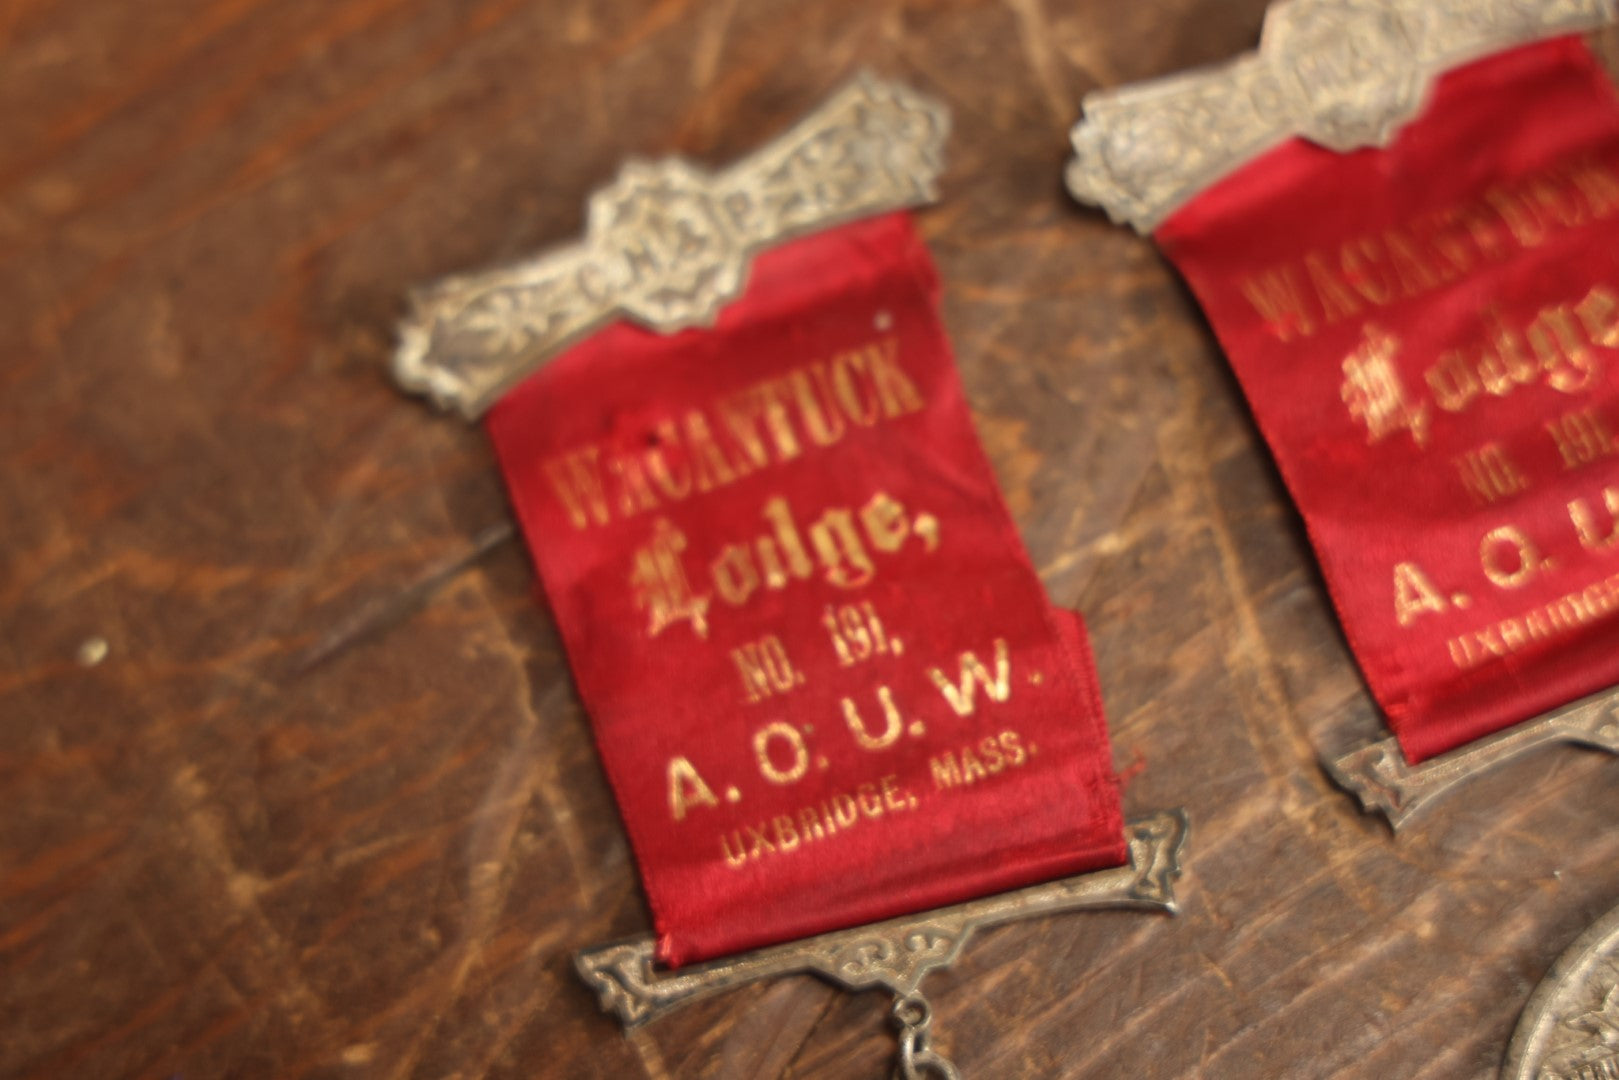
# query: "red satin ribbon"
1429,338
825,680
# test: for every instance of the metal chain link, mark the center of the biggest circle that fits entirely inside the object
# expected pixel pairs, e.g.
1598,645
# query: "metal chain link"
914,1016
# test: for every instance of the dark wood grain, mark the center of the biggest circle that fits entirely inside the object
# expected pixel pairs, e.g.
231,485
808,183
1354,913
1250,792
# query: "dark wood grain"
218,858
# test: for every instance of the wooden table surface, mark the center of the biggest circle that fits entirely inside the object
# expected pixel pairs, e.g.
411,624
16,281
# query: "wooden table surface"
242,840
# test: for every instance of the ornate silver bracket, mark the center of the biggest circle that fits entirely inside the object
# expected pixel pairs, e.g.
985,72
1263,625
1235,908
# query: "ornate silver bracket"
668,244
1345,74
895,955
1379,776
1570,1026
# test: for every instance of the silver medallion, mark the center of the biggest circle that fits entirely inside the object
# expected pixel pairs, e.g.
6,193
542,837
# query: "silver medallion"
1570,1028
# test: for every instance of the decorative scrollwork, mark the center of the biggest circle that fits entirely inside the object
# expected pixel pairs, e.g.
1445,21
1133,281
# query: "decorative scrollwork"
1384,782
895,955
668,244
1345,74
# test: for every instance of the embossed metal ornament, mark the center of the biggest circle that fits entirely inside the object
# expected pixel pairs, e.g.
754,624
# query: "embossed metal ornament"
1570,1027
1379,776
669,243
895,955
1345,74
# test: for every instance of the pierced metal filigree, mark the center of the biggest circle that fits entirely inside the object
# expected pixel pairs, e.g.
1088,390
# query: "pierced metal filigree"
1345,74
895,955
1379,776
1570,1027
668,244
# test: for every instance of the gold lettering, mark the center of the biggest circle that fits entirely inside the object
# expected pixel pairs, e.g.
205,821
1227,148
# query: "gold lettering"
1375,394
1555,339
809,826
660,586
1451,242
1523,554
1520,218
576,478
1486,231
1509,349
871,802
780,517
1599,311
962,696
674,485
844,811
1279,300
1414,594
824,424
1453,383
1504,368
774,398
894,724
885,523
734,574
687,788
989,748
1416,276
1584,518
837,545
1361,261
895,390
708,462
779,732
786,834
847,390
1581,438
1337,299
1512,634
1559,204
739,414
765,669
634,494
760,843
1489,474
1599,186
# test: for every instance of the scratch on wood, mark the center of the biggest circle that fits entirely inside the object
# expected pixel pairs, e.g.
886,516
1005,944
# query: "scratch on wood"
1034,31
64,131
1283,747
490,848
808,1038
387,611
705,60
647,1051
209,841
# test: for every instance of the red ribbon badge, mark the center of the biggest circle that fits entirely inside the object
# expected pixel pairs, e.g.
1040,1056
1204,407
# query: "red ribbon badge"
825,681
1429,337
